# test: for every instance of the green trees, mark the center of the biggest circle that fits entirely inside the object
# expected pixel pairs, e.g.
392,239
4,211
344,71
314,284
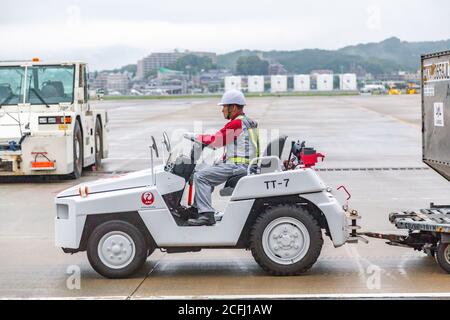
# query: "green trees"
193,63
251,65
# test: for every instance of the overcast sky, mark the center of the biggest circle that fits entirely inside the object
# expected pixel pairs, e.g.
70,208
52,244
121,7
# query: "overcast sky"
113,33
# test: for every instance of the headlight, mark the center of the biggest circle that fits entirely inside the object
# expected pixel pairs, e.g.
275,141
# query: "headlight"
43,120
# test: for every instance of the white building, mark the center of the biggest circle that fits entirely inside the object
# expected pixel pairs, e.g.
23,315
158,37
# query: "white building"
118,82
348,82
157,60
302,82
325,82
278,84
255,84
233,83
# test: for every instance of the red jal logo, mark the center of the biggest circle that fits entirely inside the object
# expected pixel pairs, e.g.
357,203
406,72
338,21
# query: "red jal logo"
147,198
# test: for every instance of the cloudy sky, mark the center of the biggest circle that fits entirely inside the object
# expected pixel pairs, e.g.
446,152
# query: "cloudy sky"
113,33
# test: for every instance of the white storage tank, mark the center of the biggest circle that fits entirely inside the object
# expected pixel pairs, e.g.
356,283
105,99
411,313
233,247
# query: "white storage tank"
255,84
278,84
325,82
302,82
233,83
348,82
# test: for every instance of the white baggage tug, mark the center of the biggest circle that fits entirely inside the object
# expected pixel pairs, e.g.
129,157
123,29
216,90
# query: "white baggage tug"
47,126
277,211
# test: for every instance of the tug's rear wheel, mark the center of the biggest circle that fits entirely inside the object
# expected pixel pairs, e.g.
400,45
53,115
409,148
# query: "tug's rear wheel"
286,241
117,249
443,256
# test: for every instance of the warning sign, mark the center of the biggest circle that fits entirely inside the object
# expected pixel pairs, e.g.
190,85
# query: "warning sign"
436,72
147,198
439,114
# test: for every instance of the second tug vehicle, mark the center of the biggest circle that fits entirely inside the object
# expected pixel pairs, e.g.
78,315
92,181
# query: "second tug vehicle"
278,211
47,126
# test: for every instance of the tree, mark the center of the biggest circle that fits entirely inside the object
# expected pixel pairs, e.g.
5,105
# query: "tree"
195,63
252,65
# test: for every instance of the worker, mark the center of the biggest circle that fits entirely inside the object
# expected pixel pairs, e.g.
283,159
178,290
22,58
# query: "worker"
240,137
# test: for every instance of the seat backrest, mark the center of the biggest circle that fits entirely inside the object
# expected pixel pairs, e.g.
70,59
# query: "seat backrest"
53,89
275,147
59,87
49,91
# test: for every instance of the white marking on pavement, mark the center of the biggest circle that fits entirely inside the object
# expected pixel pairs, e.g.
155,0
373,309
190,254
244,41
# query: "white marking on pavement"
280,297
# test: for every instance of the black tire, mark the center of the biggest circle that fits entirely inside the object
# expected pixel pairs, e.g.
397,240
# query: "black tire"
77,158
308,255
98,144
443,256
117,228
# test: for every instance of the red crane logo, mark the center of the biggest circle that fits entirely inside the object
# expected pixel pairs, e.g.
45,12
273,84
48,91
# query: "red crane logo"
147,198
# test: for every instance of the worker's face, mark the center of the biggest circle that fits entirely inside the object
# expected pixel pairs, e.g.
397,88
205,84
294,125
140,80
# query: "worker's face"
228,111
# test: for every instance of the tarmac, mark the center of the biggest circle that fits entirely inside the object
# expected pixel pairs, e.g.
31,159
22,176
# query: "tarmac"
372,146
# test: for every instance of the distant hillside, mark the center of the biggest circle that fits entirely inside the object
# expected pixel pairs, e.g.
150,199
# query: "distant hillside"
406,54
388,56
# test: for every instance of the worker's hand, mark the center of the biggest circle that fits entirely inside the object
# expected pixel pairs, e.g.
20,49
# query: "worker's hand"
189,136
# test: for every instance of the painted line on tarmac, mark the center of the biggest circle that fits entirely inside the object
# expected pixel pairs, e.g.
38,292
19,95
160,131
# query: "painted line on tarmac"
374,169
417,296
309,296
68,298
389,116
350,296
145,278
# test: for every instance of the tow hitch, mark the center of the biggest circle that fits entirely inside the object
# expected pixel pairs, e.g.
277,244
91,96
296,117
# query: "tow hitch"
353,217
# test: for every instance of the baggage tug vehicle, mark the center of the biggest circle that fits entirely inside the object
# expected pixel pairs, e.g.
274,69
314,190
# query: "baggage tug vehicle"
278,211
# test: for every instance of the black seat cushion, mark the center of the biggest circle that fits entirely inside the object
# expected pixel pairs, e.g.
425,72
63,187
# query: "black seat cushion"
233,181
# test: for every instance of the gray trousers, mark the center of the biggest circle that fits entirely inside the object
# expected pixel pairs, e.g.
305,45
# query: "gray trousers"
206,179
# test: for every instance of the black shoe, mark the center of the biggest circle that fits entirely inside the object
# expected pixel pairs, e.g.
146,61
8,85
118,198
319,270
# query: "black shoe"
190,213
205,219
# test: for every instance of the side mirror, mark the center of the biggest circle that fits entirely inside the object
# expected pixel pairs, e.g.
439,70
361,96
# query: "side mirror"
166,142
155,147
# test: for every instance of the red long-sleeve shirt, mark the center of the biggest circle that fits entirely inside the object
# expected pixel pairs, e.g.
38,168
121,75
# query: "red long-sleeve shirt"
225,135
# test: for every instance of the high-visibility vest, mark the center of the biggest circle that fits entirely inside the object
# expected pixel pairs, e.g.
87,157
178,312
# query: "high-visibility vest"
245,147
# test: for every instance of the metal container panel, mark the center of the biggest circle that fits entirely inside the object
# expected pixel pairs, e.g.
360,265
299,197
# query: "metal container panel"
436,112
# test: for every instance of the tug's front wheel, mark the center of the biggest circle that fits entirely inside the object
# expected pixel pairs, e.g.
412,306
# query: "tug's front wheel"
286,241
116,249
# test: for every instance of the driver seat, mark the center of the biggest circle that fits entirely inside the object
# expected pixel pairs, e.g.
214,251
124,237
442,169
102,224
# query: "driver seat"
274,148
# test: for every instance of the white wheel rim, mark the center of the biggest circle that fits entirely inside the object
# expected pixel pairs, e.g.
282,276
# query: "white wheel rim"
116,250
286,241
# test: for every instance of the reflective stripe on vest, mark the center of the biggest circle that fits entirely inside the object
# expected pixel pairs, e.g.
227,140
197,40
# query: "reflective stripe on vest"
246,146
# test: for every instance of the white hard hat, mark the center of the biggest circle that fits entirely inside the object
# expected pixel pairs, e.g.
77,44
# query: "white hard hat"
233,97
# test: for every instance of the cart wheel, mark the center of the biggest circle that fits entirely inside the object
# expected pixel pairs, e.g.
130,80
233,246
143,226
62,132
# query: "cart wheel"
117,249
443,256
286,241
